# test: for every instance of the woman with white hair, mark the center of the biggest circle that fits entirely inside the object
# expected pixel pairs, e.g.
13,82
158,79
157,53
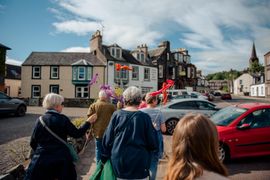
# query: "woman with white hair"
129,139
52,158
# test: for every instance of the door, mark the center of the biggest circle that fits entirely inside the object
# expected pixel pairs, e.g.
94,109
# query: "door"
256,139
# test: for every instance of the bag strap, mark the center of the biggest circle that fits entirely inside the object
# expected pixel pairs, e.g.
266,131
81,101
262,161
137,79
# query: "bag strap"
50,131
125,124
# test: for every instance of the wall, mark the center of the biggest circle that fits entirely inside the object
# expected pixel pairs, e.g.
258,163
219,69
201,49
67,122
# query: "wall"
246,82
257,90
13,85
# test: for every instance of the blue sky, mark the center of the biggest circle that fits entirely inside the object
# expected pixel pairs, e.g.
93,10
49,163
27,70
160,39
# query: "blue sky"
218,34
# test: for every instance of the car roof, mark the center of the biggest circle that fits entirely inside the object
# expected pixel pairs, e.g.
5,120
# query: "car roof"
186,99
253,105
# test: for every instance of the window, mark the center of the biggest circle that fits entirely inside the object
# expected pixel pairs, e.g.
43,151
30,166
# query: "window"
36,91
268,74
81,73
113,52
54,89
118,53
240,81
160,71
205,106
257,119
36,72
184,105
135,73
262,90
54,72
82,92
147,74
188,72
173,73
145,90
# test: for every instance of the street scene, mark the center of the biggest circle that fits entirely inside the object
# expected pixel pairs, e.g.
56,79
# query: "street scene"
176,89
14,128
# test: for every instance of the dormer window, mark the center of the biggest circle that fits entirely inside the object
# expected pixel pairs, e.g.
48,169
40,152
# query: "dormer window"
140,56
116,52
178,57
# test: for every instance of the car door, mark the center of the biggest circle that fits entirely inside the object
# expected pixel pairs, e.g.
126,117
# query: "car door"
5,105
179,109
256,139
205,108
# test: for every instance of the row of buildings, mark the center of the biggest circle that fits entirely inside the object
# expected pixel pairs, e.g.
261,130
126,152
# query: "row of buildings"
69,73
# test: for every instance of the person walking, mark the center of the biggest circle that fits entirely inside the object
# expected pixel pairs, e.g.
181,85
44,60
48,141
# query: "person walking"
158,121
104,110
195,151
52,159
129,139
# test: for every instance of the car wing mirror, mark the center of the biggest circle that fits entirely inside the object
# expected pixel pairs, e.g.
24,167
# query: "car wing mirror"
244,126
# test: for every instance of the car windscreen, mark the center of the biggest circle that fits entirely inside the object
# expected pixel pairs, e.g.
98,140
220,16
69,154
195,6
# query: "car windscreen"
226,115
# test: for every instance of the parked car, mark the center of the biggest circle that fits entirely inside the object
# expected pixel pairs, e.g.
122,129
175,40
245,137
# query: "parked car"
226,96
10,105
209,96
177,108
198,95
244,130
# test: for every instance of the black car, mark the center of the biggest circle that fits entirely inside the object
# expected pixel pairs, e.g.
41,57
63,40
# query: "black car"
9,105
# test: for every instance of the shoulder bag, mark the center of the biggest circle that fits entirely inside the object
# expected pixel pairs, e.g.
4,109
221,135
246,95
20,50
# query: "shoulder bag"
70,147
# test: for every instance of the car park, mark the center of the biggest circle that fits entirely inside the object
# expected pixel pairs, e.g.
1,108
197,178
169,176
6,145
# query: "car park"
177,108
10,105
244,130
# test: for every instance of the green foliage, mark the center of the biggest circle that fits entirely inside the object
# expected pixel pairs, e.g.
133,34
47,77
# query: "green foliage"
255,67
225,88
224,75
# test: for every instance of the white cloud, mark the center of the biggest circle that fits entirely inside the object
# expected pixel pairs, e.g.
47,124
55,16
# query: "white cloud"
219,33
76,49
13,61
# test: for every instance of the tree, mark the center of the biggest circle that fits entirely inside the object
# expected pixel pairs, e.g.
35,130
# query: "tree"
256,68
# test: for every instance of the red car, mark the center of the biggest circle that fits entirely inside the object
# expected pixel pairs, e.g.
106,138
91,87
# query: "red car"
226,96
244,130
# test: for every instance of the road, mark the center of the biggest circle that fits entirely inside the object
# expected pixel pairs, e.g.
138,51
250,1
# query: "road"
13,128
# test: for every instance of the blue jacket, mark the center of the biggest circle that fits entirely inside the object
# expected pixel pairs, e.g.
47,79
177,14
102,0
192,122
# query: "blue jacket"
49,152
128,142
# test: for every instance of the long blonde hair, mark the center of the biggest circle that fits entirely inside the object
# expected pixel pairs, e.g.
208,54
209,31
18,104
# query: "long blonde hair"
194,148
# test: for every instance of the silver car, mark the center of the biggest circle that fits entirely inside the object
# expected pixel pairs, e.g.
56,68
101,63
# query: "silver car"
10,105
176,109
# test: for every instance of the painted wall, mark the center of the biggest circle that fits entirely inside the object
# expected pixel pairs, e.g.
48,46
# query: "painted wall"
257,90
13,86
246,83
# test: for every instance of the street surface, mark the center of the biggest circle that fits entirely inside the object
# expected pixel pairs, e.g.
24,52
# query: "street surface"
13,128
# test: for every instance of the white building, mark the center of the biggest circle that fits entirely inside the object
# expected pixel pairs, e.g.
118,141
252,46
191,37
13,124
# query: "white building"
242,84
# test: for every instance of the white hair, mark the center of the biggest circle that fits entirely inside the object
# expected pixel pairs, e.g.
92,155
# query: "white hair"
132,96
102,94
52,100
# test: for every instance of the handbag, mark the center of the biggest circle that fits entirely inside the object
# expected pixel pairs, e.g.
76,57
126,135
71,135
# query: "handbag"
103,172
70,147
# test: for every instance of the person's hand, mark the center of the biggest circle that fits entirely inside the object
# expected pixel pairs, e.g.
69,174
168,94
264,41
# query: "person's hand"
92,118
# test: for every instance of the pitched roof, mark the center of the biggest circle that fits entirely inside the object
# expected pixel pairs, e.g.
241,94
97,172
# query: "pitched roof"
4,47
61,58
13,71
156,52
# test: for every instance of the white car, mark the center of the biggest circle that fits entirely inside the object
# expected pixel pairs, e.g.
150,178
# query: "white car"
176,109
198,95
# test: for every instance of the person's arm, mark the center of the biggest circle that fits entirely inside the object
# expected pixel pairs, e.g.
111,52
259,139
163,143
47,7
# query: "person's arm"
33,141
91,110
78,132
162,125
151,134
107,140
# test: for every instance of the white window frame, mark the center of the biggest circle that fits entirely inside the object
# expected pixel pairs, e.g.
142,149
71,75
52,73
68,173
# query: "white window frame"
54,75
146,74
82,90
79,73
36,91
36,69
160,71
135,73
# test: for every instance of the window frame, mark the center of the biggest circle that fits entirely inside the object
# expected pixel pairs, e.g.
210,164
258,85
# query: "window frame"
34,71
82,92
136,73
52,86
33,93
51,72
84,72
145,73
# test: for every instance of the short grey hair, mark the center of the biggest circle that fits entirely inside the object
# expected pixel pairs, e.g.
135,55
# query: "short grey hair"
132,96
102,94
52,100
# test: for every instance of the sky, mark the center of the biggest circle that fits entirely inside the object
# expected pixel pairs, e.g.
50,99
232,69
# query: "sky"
217,34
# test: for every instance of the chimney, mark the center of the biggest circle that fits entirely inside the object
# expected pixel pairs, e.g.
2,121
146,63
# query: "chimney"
96,41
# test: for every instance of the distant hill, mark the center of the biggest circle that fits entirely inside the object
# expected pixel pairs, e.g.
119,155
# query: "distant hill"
225,75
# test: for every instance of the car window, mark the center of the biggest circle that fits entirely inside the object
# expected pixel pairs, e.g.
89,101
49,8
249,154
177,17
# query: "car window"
205,106
3,96
184,105
257,119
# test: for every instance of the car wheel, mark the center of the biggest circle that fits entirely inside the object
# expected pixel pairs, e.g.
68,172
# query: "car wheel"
223,153
21,111
170,125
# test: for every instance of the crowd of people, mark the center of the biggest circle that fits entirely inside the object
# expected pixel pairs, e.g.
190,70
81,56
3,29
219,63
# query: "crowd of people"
130,136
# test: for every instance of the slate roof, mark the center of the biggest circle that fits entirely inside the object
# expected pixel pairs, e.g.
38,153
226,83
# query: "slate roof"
156,52
13,71
4,47
61,58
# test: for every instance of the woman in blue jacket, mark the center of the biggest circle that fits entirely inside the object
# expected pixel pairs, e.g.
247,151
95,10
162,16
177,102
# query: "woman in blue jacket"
129,139
52,159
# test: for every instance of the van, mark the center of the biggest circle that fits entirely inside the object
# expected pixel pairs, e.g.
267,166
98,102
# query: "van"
177,92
